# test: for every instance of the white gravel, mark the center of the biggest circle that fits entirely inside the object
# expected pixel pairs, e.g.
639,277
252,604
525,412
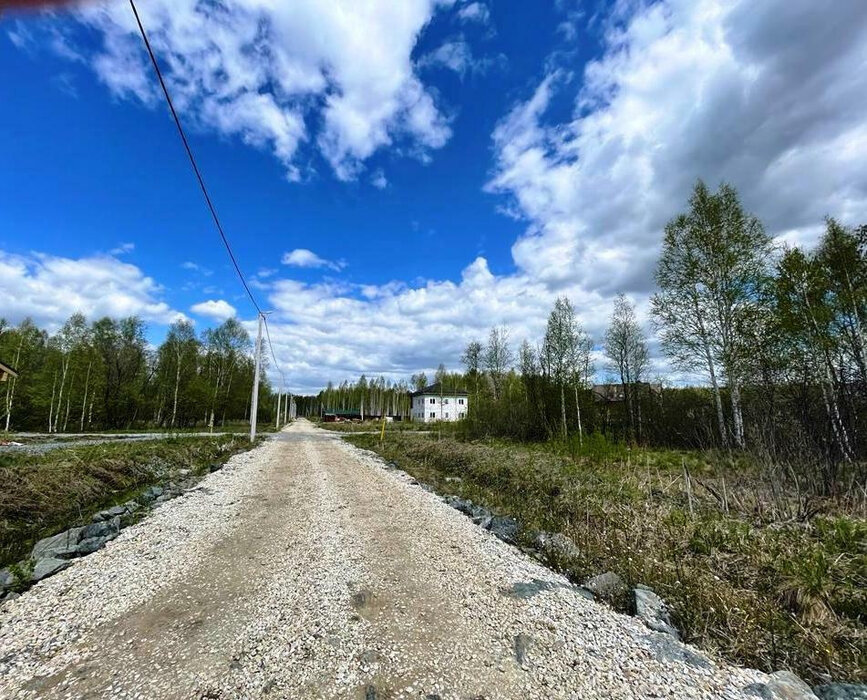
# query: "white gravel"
305,569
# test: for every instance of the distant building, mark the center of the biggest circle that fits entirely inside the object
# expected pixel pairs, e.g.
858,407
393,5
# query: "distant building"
432,404
6,372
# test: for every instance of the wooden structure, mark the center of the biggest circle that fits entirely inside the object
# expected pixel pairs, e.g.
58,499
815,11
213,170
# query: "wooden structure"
6,372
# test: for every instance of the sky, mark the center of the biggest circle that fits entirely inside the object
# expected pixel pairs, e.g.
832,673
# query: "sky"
397,177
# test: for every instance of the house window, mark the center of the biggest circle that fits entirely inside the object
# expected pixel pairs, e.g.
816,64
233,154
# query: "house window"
433,415
462,415
461,402
433,400
445,400
447,415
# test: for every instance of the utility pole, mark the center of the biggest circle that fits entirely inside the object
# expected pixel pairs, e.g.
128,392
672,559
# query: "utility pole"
254,408
277,421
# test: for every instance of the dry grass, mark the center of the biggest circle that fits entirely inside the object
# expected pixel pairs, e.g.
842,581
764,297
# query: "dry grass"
44,493
753,569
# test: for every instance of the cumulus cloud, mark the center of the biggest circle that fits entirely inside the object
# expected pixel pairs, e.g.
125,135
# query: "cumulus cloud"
301,257
216,309
335,75
683,89
51,288
770,99
330,331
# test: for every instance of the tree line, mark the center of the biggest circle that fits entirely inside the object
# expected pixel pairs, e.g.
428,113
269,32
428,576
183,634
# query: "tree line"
104,375
366,398
768,343
772,341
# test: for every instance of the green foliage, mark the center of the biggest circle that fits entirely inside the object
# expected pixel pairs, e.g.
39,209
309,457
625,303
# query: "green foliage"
104,376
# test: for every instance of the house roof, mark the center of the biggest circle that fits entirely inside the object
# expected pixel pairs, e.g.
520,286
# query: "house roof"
434,390
6,369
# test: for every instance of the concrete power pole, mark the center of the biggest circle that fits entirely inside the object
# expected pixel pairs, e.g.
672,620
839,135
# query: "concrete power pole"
254,407
277,421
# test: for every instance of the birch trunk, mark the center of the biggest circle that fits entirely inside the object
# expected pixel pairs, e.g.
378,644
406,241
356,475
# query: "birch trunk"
65,366
84,400
578,414
10,387
51,409
177,384
720,415
737,413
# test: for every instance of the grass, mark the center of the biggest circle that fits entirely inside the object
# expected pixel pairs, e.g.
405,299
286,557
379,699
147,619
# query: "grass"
752,568
41,494
240,427
369,426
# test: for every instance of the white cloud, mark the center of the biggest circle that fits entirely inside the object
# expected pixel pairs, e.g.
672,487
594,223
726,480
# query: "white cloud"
195,267
336,75
331,331
684,89
456,55
51,288
216,309
378,180
770,99
301,257
474,12
122,249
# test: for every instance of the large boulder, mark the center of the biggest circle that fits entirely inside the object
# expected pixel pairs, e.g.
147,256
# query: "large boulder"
652,611
504,528
64,545
110,513
478,514
151,493
556,547
7,580
841,691
782,685
608,586
48,567
103,529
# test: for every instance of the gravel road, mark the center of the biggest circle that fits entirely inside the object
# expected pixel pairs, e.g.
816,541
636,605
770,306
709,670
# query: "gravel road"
305,569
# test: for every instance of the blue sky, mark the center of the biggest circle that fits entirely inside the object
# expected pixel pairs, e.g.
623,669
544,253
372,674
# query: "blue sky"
436,167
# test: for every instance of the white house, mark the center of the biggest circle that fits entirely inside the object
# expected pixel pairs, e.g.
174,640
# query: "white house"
434,404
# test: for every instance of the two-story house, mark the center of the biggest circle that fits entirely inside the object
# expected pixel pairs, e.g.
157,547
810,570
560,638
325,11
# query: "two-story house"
434,403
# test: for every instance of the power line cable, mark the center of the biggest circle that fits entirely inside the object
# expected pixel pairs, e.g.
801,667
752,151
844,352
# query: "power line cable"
190,155
274,357
201,181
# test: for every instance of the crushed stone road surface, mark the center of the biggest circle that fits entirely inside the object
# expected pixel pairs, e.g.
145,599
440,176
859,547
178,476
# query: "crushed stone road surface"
305,569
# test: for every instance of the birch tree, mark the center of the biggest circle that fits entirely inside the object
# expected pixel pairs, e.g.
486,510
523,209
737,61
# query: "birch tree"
560,351
713,264
626,350
498,357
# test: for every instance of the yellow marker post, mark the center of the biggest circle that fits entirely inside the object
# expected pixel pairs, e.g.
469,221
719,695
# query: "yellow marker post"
382,432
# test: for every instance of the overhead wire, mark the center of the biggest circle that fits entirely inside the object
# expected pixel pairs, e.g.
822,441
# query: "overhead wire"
273,357
201,180
190,155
